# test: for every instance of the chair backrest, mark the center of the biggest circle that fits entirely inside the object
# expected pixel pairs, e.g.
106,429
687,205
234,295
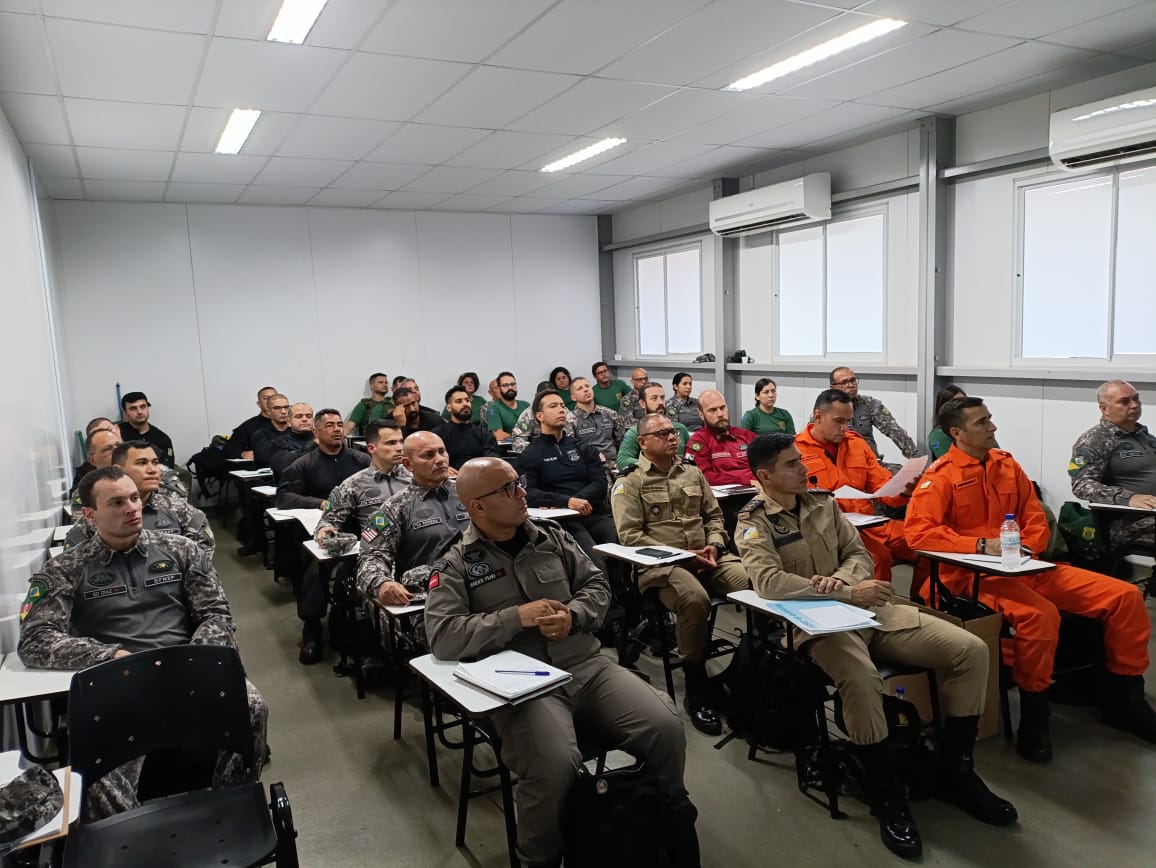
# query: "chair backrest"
191,697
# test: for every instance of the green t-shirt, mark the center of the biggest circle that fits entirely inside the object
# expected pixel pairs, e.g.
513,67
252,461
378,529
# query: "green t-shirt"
369,410
778,421
567,400
502,418
612,395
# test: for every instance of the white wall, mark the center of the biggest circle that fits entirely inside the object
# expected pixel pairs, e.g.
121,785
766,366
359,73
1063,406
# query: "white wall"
32,461
200,305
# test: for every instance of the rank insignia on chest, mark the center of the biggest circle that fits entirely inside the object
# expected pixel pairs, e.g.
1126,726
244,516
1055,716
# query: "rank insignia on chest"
477,570
781,528
572,454
474,555
100,580
160,566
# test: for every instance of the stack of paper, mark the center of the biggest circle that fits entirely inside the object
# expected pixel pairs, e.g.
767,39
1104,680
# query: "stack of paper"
512,675
818,617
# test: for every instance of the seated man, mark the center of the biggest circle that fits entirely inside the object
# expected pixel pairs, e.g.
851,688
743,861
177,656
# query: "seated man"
666,501
464,439
797,545
1115,462
869,414
835,456
278,423
512,583
161,510
409,414
959,507
100,423
506,408
528,429
430,418
377,406
717,449
561,472
93,603
99,445
240,442
135,408
289,445
653,399
632,407
608,392
357,497
594,424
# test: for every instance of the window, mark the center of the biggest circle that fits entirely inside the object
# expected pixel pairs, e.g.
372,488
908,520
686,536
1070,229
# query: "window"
668,287
830,287
1087,254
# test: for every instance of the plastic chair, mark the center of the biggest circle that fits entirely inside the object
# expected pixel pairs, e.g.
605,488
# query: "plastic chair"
190,697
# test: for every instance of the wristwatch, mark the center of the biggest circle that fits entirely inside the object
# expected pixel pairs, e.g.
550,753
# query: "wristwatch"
575,623
980,545
719,548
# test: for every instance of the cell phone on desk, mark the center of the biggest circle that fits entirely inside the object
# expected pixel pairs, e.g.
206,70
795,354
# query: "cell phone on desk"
655,553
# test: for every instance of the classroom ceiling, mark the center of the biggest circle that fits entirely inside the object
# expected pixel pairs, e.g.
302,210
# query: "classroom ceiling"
457,104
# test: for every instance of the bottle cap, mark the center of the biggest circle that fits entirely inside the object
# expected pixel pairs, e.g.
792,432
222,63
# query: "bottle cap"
1009,517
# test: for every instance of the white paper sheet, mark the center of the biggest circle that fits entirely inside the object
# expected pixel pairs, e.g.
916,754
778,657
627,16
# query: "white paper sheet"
907,474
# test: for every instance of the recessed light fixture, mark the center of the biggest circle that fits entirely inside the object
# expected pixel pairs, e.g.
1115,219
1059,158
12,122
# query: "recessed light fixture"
295,20
585,154
237,130
819,52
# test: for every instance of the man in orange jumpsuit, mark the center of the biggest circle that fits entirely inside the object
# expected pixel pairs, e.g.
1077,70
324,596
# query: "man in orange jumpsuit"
834,456
958,507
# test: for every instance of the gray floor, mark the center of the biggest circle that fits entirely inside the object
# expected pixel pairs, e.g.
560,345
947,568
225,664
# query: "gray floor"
360,798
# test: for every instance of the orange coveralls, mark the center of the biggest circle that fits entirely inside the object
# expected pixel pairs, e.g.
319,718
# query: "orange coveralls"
960,500
858,467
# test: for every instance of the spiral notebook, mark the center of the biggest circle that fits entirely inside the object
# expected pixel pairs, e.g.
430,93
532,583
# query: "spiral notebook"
511,675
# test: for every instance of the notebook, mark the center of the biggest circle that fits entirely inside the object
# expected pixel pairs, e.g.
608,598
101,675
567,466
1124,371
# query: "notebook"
511,675
819,617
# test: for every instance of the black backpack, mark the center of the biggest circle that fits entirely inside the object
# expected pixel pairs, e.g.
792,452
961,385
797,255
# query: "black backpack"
351,631
627,818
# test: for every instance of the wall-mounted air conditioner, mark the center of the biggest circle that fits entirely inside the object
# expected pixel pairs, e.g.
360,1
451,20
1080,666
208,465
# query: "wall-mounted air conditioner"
1105,133
793,203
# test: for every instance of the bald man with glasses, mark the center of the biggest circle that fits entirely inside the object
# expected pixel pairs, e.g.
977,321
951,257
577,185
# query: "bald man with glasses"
869,414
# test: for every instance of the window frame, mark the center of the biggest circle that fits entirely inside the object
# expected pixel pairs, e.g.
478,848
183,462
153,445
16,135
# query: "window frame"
664,251
839,215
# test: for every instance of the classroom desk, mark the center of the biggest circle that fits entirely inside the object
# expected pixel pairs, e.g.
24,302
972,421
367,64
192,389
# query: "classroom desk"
325,564
1124,508
11,765
978,568
21,687
398,617
239,475
61,532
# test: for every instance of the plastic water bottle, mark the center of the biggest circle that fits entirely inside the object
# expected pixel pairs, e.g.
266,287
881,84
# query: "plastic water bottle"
901,713
1009,543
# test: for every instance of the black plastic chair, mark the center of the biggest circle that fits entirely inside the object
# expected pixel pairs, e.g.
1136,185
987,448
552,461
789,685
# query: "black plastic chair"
190,697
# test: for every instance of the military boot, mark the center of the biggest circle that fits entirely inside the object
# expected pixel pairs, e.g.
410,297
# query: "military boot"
889,801
1125,706
698,703
956,781
1034,740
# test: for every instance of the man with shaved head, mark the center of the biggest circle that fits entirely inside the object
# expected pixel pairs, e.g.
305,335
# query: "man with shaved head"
717,449
289,445
240,442
100,423
513,583
99,443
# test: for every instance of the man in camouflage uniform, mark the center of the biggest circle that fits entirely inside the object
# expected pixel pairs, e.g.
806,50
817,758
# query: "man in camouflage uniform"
632,408
596,426
126,590
871,414
163,511
528,429
1115,462
359,496
665,501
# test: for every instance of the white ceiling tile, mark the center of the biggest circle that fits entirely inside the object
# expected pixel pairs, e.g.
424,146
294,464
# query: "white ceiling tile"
223,194
930,11
514,184
580,184
185,16
1030,19
246,19
1144,51
336,138
721,162
590,104
864,132
345,198
125,191
217,168
640,187
450,179
524,205
278,195
52,161
752,119
379,176
714,37
205,126
424,143
387,88
406,200
650,157
299,172
581,36
490,97
103,61
585,206
271,76
505,150
62,188
111,164
25,64
344,23
678,112
1111,32
36,118
103,124
422,28
848,116
934,53
32,7
469,202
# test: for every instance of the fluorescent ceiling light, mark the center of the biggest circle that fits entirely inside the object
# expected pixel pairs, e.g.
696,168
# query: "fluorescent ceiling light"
237,130
295,20
820,52
585,154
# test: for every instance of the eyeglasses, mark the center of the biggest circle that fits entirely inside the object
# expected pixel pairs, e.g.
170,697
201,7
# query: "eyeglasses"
510,488
853,381
664,432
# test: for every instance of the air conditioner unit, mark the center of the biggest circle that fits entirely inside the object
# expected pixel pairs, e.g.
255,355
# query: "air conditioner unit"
1105,133
792,203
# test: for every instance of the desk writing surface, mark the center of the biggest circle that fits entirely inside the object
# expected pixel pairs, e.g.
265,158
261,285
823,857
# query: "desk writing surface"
319,554
309,518
550,511
265,490
439,674
722,491
968,561
1121,507
631,555
19,683
859,520
238,461
402,611
54,551
250,474
61,532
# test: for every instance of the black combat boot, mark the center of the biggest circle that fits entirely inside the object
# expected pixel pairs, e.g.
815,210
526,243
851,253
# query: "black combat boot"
698,702
1034,740
956,781
889,801
311,643
1125,706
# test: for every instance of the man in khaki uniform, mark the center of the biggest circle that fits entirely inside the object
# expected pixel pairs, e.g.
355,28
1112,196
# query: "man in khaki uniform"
664,501
797,545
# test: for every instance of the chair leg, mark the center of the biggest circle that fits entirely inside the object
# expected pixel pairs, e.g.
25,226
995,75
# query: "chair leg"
508,811
1005,713
659,621
427,714
936,711
283,824
464,789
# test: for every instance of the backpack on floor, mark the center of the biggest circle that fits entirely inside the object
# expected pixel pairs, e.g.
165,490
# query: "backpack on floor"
351,630
627,818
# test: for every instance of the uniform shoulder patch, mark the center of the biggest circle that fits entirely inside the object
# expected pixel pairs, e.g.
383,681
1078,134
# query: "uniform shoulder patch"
750,533
380,520
36,591
696,446
618,489
435,579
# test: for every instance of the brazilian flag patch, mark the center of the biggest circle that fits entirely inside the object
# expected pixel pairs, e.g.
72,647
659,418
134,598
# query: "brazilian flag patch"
381,520
36,591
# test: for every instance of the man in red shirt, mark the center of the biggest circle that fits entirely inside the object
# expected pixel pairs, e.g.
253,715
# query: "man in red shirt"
959,507
717,449
834,455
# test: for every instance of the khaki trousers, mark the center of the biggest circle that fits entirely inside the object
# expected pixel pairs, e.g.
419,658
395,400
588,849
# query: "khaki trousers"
688,596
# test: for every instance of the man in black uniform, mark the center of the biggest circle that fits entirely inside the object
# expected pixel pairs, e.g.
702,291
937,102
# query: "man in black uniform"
408,412
261,441
292,443
430,418
100,423
464,439
240,443
135,409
